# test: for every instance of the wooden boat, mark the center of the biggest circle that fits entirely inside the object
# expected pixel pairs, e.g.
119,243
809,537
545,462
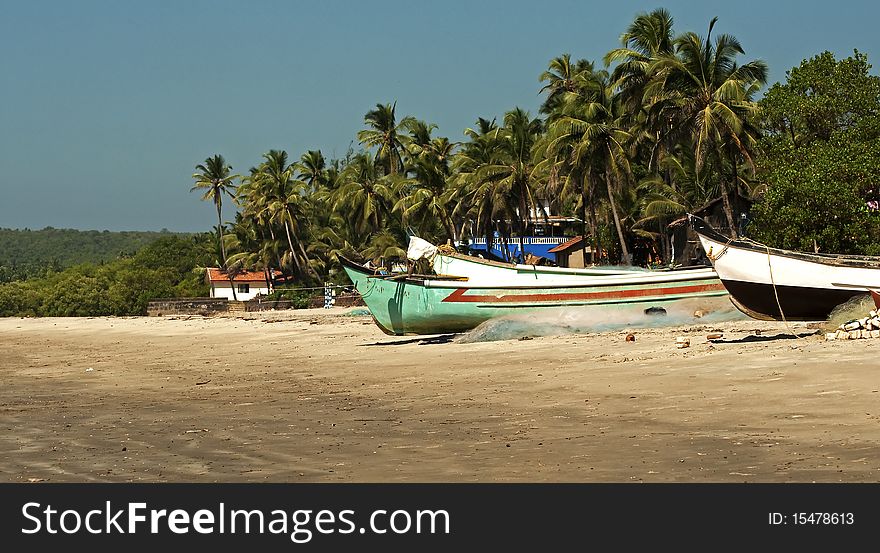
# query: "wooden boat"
446,261
769,283
432,304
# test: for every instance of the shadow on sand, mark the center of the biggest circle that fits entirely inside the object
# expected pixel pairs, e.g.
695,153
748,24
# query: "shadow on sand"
762,338
428,340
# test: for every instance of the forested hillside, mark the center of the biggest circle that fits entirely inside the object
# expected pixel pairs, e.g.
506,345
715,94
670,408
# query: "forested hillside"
169,267
28,253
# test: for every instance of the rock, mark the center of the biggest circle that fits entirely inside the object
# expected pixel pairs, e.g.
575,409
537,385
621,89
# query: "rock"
875,334
855,334
831,336
630,337
715,336
681,342
851,325
842,335
699,313
655,311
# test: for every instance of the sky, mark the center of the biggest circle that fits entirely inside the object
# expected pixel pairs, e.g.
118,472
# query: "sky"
106,106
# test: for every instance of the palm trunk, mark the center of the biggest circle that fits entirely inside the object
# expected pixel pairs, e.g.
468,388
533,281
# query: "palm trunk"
725,196
277,257
231,283
292,250
594,225
220,233
308,269
585,219
450,230
623,247
223,249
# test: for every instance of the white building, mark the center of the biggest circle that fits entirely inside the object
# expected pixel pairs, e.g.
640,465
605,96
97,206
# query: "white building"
248,284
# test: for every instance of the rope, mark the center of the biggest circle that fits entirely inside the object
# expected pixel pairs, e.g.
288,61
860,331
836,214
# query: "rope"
776,294
722,252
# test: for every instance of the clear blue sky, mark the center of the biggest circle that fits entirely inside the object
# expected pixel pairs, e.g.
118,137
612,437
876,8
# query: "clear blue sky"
106,106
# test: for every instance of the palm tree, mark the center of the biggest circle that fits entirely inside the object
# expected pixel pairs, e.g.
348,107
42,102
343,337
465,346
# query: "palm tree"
483,148
313,169
661,202
648,37
215,178
425,202
589,130
384,134
366,196
508,183
562,77
278,197
702,95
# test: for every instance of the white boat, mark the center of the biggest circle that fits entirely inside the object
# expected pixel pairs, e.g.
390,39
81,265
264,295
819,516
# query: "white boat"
445,261
772,284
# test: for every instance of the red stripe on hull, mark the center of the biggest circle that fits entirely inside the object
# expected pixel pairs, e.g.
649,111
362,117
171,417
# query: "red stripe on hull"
459,295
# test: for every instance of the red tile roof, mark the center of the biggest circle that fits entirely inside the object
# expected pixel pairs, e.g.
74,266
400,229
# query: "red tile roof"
215,275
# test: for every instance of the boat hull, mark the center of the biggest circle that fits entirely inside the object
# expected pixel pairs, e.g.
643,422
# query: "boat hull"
799,303
421,306
807,287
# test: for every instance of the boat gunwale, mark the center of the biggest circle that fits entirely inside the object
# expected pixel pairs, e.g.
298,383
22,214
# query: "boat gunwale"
427,281
702,228
574,271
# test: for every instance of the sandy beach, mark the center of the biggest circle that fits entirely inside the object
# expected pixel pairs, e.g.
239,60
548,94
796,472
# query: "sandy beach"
324,396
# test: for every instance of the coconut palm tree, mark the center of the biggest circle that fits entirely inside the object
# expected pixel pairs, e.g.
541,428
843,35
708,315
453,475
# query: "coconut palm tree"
482,148
507,183
215,179
384,133
562,77
661,202
366,196
701,94
648,37
588,131
313,169
279,198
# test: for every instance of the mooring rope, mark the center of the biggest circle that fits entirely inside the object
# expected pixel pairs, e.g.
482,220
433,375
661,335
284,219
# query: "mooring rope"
724,249
776,295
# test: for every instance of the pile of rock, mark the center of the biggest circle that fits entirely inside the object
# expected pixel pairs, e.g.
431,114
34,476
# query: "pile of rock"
869,327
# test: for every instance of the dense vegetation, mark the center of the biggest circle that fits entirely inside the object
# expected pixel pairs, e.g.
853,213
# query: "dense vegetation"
168,267
33,253
821,159
663,124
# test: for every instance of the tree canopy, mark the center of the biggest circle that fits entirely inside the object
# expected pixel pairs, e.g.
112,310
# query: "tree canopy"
819,161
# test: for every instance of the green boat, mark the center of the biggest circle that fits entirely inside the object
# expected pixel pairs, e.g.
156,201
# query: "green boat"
434,304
